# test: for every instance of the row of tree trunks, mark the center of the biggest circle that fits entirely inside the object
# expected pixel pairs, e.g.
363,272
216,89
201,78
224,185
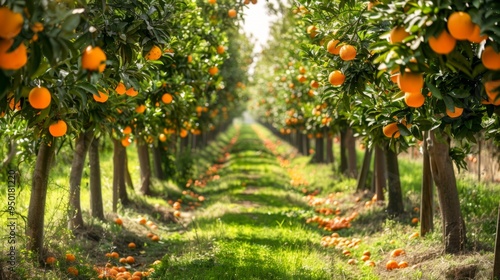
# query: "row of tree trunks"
426,201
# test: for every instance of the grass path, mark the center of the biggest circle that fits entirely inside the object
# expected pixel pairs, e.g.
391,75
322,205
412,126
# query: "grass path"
251,225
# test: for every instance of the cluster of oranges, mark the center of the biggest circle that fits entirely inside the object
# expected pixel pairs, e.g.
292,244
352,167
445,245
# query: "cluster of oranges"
346,52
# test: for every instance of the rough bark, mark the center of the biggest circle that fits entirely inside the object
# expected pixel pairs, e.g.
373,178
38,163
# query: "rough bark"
157,162
380,173
352,168
75,179
36,209
118,174
365,170
145,167
395,205
96,206
446,185
426,207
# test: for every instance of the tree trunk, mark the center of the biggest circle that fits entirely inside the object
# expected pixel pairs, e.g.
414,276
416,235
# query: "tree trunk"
343,167
36,210
306,144
365,170
128,178
96,207
352,168
329,149
380,173
75,179
319,151
145,166
426,207
157,162
395,205
446,185
119,189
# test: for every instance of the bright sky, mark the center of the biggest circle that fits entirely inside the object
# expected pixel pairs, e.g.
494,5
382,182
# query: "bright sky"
257,22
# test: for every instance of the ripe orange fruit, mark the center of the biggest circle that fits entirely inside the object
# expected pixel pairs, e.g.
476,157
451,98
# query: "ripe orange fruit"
444,43
301,78
398,34
460,25
155,238
70,257
131,245
167,98
367,253
476,37
213,70
142,221
123,260
392,264
456,113
101,97
73,271
130,259
492,92
332,47
189,58
212,1
414,235
365,258
395,75
12,60
162,137
397,252
37,27
311,30
314,84
11,23
232,13
176,205
131,92
336,78
39,98
118,221
490,58
391,130
93,59
140,108
414,220
154,53
220,49
411,82
120,88
115,255
402,264
50,260
127,130
177,213
347,52
370,263
414,100
183,133
302,70
58,128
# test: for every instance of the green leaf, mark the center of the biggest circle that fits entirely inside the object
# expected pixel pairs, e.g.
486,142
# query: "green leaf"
435,91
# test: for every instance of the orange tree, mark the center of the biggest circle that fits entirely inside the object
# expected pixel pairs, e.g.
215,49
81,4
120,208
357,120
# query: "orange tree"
437,83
